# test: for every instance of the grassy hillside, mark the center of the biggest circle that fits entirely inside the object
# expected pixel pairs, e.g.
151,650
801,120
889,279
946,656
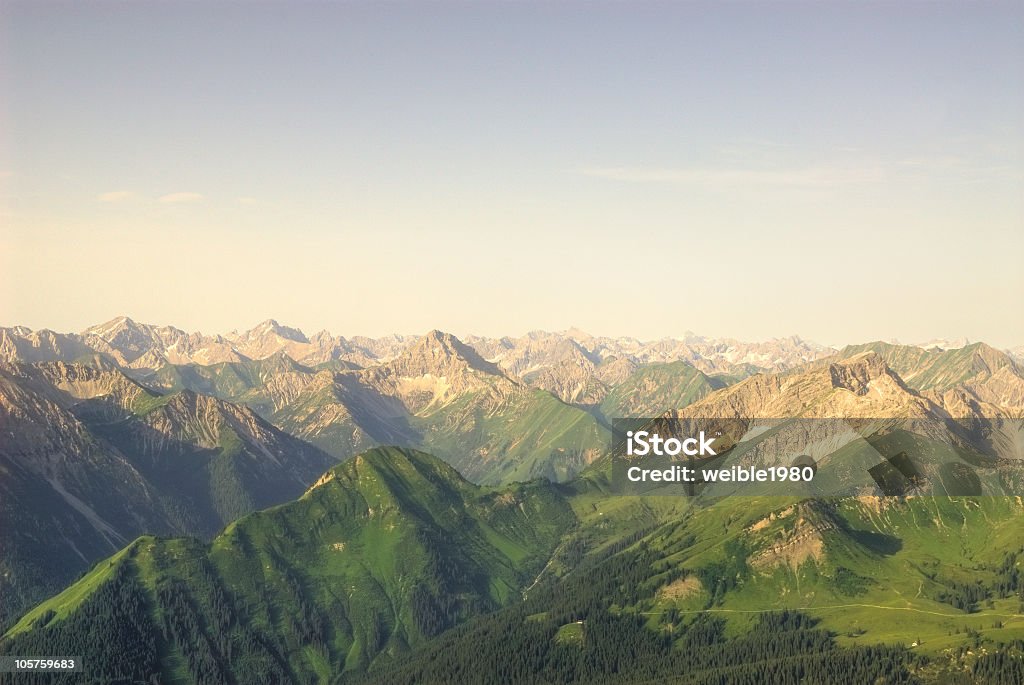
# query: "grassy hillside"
767,590
394,569
388,550
657,388
533,435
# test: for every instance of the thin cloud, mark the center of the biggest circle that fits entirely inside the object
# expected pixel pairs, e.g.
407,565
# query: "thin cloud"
115,196
940,162
180,198
810,177
247,200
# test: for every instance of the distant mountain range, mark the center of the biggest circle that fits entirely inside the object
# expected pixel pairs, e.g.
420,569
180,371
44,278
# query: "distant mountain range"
127,430
577,366
145,346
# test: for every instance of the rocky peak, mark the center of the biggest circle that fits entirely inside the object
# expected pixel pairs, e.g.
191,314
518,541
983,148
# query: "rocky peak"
1017,353
272,327
856,373
435,369
987,359
120,326
322,338
441,354
122,337
577,334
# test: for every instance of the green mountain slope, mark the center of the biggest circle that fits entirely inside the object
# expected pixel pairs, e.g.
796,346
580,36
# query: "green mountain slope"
385,551
376,570
755,591
656,388
530,434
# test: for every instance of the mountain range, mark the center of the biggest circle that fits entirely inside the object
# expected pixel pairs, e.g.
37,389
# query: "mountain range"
144,346
492,519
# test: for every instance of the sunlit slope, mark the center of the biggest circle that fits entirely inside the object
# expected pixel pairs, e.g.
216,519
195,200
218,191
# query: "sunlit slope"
384,552
754,590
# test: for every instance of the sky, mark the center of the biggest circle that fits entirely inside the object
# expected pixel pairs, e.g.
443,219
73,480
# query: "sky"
842,171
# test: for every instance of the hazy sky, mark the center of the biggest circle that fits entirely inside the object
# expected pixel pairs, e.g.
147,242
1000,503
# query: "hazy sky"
844,171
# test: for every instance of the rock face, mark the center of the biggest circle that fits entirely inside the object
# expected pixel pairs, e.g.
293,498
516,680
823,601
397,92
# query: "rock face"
863,384
801,541
97,384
